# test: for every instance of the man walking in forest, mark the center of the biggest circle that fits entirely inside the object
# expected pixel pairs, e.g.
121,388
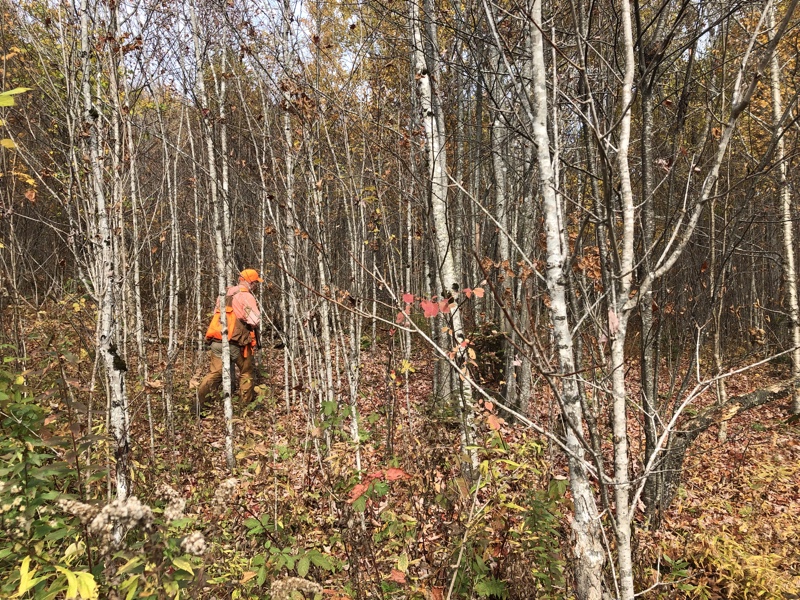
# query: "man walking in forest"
243,320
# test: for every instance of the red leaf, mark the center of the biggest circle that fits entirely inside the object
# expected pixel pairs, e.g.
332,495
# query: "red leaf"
431,309
397,576
375,475
401,317
444,306
478,292
393,474
408,298
488,406
494,422
468,292
357,492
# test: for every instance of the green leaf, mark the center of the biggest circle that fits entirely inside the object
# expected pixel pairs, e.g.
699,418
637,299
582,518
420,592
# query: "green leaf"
491,587
360,503
15,91
26,578
302,566
322,561
183,564
130,565
6,98
380,488
132,585
262,576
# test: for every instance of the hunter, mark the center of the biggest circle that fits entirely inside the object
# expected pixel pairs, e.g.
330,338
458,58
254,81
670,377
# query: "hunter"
243,320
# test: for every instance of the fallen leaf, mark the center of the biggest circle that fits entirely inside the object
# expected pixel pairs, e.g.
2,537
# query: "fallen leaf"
393,474
247,576
397,576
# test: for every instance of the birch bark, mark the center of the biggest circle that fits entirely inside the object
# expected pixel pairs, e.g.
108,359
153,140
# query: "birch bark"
789,269
104,272
217,206
424,53
588,547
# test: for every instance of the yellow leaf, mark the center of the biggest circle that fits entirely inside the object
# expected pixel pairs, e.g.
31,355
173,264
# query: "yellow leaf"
25,575
7,143
183,565
87,586
402,563
72,582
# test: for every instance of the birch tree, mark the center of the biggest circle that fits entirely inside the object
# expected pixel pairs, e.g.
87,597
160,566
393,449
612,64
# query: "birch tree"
104,278
424,63
219,205
785,194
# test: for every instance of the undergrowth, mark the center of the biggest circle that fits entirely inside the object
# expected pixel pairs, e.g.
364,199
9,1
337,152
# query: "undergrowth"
297,516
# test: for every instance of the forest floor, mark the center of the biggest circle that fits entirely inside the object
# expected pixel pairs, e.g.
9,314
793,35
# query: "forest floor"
733,530
398,526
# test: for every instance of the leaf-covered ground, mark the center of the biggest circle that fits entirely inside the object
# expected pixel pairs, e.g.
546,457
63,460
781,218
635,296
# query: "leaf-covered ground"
399,525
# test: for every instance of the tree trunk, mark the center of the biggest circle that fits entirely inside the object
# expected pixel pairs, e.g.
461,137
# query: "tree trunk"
589,554
789,270
104,278
424,58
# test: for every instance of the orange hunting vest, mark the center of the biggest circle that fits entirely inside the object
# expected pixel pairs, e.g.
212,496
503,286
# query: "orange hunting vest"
238,333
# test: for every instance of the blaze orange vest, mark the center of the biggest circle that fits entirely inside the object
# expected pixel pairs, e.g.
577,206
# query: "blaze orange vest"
238,333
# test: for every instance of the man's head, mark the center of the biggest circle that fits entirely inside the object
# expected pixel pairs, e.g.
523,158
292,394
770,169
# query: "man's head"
250,276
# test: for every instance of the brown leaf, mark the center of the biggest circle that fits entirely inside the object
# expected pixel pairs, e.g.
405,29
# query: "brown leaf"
397,576
247,576
393,474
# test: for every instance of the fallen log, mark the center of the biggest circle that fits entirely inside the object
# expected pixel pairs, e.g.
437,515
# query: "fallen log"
671,467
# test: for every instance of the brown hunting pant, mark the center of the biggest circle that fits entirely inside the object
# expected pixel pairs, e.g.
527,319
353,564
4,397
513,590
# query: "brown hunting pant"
209,387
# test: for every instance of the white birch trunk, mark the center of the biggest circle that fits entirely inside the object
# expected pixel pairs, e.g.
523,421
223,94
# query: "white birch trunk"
789,269
433,121
588,547
104,273
622,484
219,243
